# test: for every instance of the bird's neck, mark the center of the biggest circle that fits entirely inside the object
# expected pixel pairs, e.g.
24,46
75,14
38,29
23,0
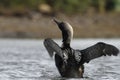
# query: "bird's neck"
65,46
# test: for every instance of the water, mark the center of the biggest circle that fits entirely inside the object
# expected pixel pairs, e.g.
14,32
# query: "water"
28,60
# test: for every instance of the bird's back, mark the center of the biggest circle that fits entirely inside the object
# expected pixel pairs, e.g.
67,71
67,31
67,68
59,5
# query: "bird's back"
69,67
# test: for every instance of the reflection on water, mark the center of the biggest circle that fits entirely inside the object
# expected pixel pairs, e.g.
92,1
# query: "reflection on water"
28,60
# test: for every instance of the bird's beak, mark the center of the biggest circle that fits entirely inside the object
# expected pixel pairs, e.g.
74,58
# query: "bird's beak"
56,21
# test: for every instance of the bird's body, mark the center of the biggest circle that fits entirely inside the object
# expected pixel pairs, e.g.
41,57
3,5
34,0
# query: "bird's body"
70,67
70,62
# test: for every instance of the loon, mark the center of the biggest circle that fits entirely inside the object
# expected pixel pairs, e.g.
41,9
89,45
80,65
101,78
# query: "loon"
69,61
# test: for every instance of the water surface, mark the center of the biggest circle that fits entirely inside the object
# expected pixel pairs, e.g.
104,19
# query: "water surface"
28,60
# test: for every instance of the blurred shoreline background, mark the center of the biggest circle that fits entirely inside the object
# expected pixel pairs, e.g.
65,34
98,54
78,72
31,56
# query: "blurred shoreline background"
33,18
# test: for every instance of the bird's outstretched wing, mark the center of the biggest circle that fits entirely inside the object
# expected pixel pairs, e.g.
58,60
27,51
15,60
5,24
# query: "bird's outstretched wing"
53,47
98,50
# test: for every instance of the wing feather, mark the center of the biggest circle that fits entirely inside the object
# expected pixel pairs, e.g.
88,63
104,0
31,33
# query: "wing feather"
98,50
52,47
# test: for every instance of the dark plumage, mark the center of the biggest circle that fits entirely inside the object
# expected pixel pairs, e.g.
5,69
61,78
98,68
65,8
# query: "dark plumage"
70,62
